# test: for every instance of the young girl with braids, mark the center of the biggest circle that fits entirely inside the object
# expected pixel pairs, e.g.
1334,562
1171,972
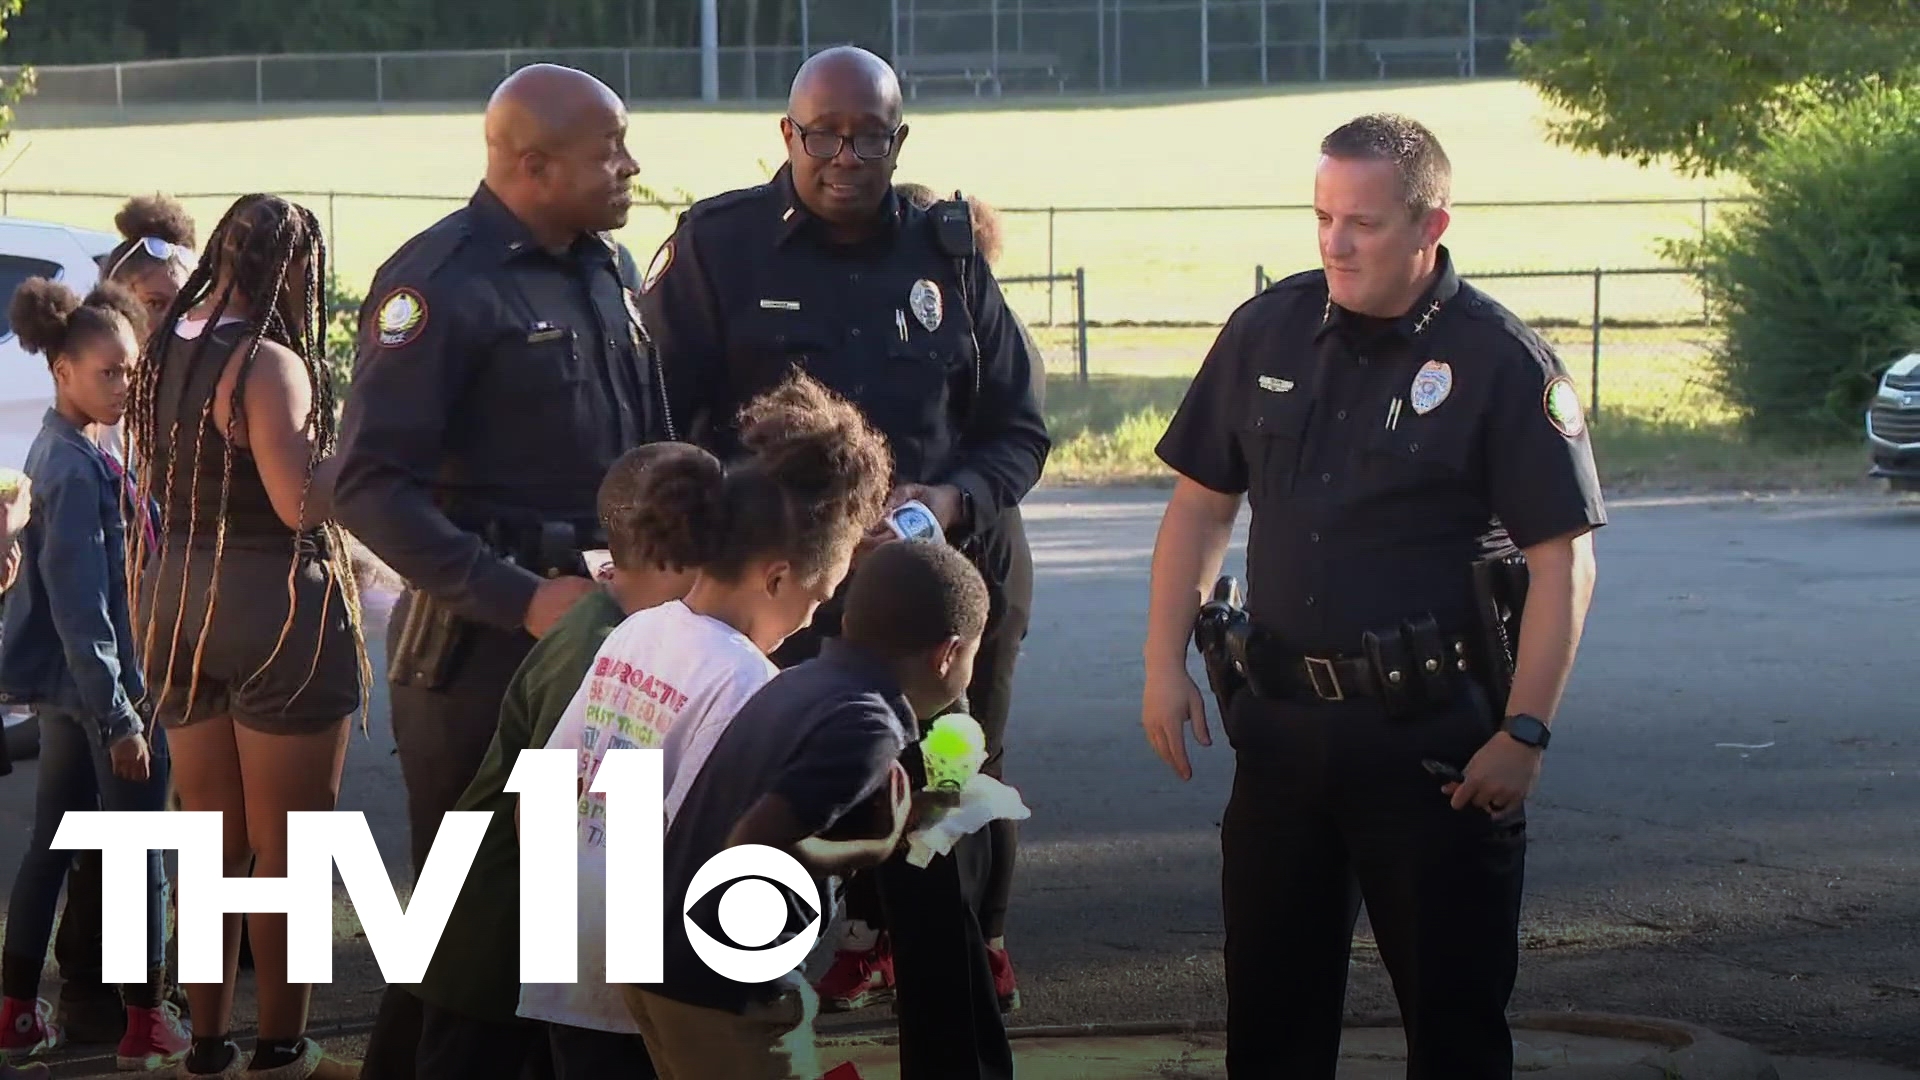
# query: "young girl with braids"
68,649
246,613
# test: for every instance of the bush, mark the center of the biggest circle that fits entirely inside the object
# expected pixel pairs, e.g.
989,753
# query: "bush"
343,324
1817,280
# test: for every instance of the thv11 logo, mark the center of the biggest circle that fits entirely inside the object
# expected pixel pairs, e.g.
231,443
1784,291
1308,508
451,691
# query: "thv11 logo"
750,912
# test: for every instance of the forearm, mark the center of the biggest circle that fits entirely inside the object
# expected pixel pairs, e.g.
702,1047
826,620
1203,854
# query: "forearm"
1559,589
838,858
1187,555
395,518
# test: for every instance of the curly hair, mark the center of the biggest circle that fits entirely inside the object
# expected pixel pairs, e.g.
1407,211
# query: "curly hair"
271,254
157,216
813,476
51,319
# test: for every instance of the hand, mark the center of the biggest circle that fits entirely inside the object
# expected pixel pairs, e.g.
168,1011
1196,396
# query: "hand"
552,599
1499,778
15,511
1170,700
942,499
130,760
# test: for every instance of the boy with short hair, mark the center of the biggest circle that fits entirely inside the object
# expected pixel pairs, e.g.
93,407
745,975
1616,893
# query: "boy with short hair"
804,759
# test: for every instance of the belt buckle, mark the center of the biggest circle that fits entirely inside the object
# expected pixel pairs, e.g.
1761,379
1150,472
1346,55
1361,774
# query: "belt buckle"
1314,665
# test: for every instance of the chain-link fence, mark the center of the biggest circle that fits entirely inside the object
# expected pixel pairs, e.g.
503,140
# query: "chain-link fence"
941,48
1143,289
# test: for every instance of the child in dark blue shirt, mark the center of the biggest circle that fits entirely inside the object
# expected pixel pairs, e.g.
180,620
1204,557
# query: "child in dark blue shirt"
815,753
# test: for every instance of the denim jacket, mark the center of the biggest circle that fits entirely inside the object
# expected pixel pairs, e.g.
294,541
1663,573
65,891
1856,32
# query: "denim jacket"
66,640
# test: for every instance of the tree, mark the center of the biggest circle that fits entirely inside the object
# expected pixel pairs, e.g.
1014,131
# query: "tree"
20,86
1817,280
1701,83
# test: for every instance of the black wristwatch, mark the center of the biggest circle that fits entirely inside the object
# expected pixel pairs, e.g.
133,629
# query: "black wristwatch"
1527,730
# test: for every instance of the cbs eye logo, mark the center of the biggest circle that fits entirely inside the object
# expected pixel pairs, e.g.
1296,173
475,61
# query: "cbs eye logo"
753,897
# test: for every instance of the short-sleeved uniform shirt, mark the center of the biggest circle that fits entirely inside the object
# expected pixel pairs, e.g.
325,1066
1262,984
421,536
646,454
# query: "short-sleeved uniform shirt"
1382,458
496,381
822,734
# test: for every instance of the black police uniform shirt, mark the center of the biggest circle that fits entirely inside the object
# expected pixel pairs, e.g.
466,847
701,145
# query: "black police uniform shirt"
495,381
749,286
1382,458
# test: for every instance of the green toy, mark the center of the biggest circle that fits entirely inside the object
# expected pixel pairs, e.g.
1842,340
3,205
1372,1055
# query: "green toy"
10,481
953,751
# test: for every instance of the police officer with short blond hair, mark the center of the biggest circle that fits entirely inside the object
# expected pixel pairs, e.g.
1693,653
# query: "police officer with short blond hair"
1413,456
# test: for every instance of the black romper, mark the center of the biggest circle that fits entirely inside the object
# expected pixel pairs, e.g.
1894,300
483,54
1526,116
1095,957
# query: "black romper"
254,664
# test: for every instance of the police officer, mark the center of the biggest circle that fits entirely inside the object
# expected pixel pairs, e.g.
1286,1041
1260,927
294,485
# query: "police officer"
1394,430
501,370
888,303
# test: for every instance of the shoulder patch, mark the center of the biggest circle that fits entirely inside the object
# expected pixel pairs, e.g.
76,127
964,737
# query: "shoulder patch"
401,318
1562,404
662,259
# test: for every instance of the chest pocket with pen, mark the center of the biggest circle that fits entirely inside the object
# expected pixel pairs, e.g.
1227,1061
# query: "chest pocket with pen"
1405,445
923,366
1273,434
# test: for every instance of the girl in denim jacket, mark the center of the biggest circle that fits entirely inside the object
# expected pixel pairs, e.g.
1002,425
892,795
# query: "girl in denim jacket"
67,649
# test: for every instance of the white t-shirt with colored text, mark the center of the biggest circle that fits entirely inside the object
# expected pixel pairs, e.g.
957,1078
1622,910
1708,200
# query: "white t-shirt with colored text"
661,670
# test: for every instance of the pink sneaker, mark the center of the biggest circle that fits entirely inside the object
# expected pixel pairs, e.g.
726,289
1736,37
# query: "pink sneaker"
155,1038
26,1029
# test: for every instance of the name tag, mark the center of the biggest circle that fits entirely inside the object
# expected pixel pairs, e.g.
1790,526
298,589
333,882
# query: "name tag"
780,305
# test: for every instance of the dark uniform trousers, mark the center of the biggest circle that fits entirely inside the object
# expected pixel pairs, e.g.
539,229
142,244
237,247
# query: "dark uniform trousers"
442,735
1331,807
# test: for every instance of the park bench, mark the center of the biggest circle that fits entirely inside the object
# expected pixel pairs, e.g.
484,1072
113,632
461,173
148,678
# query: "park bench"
977,70
1385,49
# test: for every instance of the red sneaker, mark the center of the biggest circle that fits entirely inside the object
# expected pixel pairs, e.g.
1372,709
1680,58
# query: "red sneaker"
857,980
1003,981
26,1029
155,1038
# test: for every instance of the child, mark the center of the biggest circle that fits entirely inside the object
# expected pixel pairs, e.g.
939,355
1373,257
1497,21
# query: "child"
469,1029
777,536
799,761
67,648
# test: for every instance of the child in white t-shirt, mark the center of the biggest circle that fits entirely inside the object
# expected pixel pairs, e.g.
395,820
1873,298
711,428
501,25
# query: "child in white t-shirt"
777,534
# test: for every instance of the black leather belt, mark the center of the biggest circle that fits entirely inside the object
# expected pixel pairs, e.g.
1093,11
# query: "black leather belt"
1331,678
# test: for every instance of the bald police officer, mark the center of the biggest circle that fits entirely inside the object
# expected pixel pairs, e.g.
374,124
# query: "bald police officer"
1393,428
501,370
888,303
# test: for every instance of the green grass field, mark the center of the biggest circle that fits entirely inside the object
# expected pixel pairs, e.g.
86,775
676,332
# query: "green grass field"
1157,281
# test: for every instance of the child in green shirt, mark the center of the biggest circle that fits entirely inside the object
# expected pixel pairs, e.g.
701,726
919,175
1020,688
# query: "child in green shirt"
469,1028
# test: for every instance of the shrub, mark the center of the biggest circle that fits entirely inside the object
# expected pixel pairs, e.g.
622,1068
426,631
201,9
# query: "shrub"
1817,279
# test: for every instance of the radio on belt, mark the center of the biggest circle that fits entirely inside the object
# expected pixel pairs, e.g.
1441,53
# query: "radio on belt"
911,520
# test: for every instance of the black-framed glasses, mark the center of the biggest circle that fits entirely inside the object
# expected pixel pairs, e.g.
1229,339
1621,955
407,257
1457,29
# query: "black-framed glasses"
827,144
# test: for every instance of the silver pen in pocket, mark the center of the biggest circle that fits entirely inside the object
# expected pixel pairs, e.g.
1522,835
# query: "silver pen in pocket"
900,322
1393,415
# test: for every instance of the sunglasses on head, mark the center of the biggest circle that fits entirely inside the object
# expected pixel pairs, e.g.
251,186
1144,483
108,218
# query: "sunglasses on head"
157,249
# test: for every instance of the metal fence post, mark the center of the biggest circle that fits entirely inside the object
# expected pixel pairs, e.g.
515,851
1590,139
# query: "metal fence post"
380,78
1100,35
1052,273
1204,71
119,89
259,82
333,233
1080,294
1595,406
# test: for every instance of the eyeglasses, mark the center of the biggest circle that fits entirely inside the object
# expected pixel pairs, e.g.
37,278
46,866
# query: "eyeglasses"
827,144
157,249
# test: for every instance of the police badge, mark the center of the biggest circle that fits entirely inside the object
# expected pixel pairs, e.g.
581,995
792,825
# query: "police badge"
1431,385
925,303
